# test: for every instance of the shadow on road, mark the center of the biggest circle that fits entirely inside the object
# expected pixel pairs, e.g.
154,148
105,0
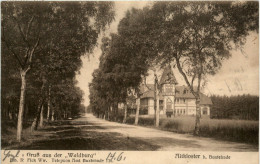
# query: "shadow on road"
90,133
75,135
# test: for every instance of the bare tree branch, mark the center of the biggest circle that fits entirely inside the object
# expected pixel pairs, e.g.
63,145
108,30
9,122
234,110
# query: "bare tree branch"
21,32
184,62
192,80
28,27
33,49
28,68
30,55
184,75
199,74
11,50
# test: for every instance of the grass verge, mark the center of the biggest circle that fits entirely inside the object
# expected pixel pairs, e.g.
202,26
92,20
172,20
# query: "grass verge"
244,131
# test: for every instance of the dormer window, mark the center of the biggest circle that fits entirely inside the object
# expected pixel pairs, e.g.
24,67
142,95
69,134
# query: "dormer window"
185,91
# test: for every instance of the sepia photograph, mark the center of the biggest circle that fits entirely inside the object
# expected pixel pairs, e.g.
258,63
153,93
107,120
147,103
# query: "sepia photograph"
118,77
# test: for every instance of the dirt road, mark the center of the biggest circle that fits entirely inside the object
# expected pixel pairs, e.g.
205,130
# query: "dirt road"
90,133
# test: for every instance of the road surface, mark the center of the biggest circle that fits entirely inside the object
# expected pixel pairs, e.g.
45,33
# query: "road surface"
91,133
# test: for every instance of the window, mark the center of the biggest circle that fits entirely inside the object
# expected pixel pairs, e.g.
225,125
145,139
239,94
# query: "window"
177,101
181,101
168,88
169,105
204,111
161,104
144,102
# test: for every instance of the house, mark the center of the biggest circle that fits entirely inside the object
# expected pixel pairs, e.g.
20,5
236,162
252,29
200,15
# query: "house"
174,99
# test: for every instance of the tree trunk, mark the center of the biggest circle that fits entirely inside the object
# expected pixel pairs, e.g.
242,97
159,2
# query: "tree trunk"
125,113
10,115
52,114
41,117
137,110
104,115
37,117
156,103
21,106
64,114
157,120
59,114
9,111
108,112
111,112
49,104
116,111
198,113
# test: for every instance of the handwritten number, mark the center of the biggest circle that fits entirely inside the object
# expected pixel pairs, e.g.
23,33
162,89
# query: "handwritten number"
120,157
111,157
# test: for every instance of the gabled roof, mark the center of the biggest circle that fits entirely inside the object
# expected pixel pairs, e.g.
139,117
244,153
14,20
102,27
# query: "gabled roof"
148,91
147,87
180,92
205,100
183,92
168,76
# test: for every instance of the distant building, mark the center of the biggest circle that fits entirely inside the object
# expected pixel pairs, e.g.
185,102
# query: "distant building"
175,99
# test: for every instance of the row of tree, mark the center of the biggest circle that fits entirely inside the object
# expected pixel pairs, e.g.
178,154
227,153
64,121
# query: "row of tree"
42,45
123,63
235,107
195,37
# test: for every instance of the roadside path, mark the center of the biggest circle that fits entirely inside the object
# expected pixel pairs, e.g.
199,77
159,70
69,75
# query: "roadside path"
91,133
167,141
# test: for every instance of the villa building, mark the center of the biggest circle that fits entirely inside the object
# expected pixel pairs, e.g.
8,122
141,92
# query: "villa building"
175,99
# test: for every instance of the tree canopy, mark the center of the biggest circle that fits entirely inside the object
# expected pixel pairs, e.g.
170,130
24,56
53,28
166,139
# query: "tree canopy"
193,36
48,39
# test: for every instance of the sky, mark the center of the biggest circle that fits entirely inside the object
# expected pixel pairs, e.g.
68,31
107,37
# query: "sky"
238,74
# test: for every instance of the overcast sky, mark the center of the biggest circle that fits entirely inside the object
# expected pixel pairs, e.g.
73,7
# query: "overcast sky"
238,75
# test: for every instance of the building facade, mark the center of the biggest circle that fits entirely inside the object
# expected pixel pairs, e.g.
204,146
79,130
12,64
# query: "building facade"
174,99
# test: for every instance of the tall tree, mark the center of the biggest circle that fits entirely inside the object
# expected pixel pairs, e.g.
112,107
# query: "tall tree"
125,60
21,35
26,25
198,36
140,49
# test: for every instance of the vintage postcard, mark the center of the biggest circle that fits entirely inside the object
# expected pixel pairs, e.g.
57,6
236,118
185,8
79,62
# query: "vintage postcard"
129,82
